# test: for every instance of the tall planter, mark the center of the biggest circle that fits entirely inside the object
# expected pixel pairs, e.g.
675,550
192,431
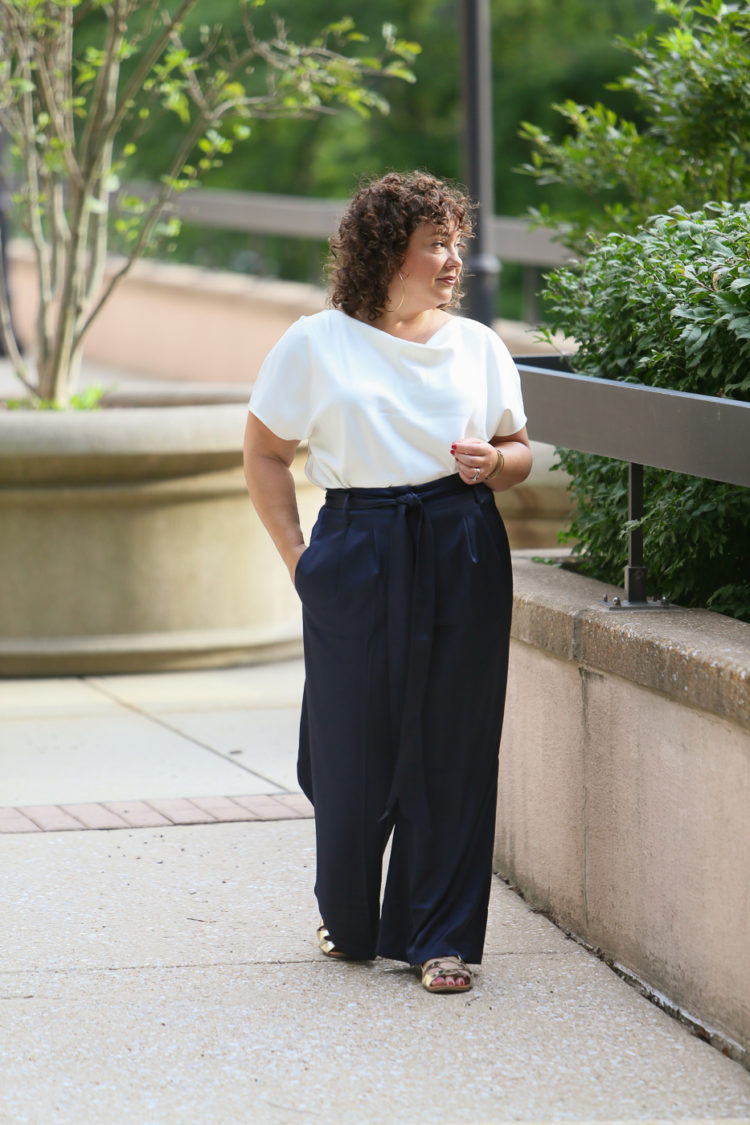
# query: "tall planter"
128,543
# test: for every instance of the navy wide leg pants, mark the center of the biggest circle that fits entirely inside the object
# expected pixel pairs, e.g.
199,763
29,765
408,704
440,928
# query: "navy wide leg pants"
406,596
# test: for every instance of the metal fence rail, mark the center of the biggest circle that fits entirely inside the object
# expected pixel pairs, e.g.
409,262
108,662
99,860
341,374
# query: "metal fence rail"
685,433
510,239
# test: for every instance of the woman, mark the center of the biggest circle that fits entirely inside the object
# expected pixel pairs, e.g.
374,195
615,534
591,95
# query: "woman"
413,418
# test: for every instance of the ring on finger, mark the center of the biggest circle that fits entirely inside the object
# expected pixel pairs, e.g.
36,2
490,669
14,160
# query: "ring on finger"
477,474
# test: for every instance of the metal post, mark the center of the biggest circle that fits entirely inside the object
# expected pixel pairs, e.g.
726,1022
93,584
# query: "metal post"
482,267
635,571
3,230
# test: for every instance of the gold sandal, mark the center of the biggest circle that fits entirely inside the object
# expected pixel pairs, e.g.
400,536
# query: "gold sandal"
445,968
326,944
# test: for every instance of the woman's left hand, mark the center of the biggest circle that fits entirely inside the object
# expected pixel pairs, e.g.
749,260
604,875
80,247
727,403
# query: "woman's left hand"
475,459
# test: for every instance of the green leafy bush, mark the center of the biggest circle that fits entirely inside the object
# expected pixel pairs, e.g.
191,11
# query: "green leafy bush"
691,143
668,306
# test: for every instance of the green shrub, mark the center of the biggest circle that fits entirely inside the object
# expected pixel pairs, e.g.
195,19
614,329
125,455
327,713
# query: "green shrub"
668,307
691,143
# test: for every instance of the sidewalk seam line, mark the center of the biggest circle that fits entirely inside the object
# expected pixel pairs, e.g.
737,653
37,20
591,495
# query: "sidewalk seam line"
188,737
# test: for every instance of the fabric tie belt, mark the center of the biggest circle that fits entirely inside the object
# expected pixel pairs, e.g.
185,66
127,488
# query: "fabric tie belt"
410,598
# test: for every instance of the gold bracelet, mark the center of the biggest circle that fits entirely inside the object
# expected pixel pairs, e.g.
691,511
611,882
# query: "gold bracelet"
500,462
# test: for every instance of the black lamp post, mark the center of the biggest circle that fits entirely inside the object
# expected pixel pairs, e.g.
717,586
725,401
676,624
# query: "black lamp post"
482,267
3,228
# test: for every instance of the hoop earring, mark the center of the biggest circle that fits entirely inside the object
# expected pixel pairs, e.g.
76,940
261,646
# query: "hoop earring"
403,294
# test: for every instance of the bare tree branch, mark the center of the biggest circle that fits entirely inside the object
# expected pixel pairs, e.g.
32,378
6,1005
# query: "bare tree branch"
7,335
149,222
101,109
53,90
147,63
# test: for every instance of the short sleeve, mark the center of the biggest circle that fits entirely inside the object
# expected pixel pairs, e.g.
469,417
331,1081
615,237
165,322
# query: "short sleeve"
505,412
282,395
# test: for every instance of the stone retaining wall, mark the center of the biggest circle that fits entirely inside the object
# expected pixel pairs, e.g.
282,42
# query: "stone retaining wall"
192,324
625,787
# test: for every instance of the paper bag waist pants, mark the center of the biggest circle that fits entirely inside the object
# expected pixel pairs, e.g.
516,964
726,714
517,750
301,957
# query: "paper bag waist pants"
406,596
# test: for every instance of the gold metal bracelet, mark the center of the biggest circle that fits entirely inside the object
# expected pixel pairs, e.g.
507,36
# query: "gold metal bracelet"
500,462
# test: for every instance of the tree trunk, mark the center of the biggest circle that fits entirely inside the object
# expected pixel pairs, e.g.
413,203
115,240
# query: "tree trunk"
59,373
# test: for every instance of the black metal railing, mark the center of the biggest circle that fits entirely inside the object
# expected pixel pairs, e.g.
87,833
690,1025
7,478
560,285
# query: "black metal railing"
685,433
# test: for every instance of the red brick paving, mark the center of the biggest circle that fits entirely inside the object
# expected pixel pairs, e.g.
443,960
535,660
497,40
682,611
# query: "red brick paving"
11,820
137,814
153,813
298,802
95,816
224,808
51,818
268,808
181,811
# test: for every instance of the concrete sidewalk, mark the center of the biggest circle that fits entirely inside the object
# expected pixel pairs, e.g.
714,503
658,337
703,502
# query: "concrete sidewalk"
169,973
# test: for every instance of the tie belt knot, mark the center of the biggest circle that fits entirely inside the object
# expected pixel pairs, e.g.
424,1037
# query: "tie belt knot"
409,500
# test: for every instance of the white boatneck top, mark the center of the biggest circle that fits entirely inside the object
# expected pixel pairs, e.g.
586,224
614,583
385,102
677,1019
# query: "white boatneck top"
379,411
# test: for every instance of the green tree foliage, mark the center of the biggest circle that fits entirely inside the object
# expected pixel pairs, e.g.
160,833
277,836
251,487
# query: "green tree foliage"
80,84
541,51
691,86
668,306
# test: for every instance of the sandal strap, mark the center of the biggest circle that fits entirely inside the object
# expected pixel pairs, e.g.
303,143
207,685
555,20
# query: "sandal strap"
448,966
326,943
449,960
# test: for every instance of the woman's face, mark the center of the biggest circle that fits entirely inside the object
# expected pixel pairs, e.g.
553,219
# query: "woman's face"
429,272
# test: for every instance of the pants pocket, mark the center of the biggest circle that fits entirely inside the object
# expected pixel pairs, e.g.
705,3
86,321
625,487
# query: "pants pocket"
338,577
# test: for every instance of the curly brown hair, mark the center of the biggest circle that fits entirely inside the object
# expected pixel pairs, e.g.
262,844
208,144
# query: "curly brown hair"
374,234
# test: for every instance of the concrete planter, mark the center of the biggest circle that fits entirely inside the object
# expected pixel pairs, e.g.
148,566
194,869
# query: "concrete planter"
536,511
128,542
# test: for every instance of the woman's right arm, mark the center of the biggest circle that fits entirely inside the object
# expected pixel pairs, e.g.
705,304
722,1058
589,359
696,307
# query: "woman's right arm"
267,460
